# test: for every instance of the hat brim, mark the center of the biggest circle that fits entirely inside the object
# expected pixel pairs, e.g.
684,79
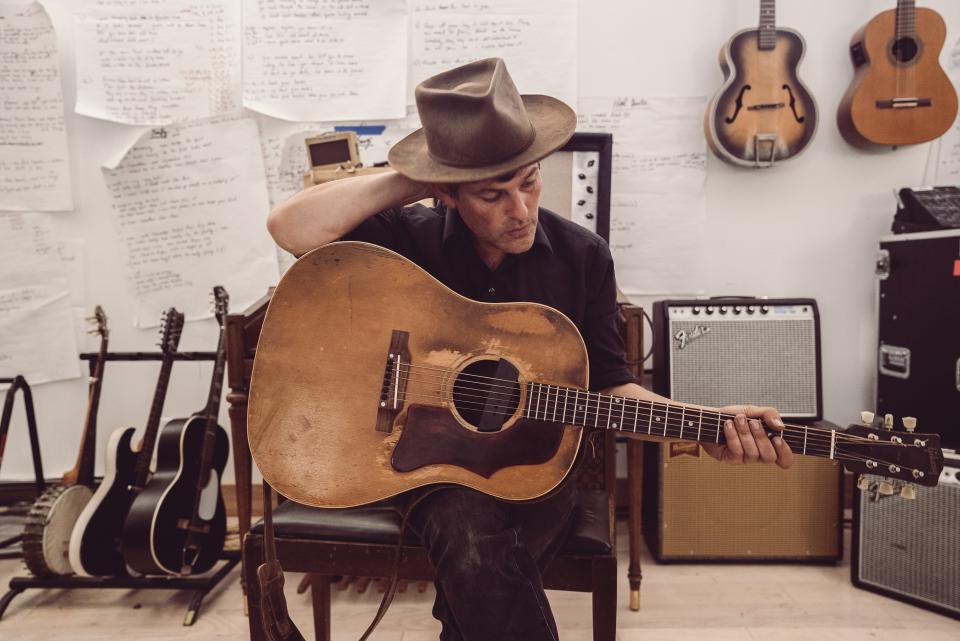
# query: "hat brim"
553,121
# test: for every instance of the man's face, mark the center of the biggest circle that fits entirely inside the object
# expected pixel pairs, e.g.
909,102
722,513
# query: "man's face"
501,214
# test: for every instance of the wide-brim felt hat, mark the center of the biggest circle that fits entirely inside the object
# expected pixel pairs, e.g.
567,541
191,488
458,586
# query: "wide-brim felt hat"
477,126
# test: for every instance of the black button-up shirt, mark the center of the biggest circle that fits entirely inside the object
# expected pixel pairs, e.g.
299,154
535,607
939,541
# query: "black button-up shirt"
567,268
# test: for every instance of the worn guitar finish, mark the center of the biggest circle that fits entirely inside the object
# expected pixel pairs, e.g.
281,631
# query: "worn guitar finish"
372,378
900,95
763,113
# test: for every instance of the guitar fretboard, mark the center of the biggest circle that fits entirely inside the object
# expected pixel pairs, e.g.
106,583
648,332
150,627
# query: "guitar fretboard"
906,19
768,24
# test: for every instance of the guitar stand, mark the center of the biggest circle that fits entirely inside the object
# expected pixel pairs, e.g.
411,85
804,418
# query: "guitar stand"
19,384
201,585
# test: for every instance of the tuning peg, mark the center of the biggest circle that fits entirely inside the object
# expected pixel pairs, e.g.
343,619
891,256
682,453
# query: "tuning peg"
866,418
910,423
885,488
908,492
888,422
863,483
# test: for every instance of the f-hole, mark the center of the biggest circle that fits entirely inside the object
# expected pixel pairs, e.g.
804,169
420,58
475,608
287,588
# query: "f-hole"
486,393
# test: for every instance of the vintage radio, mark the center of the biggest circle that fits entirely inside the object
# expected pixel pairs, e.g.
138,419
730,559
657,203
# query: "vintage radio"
334,155
722,351
910,549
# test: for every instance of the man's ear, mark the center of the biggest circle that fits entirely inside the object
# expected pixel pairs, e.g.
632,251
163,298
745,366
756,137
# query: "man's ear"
442,193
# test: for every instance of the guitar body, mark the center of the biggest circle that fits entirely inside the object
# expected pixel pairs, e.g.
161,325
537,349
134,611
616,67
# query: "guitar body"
321,368
876,78
763,113
95,541
153,535
49,524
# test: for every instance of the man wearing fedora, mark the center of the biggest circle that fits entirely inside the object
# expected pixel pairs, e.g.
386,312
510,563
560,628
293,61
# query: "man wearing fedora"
478,155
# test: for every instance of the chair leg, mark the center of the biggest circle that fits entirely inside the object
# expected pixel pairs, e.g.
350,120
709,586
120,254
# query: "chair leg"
635,496
320,589
604,598
252,558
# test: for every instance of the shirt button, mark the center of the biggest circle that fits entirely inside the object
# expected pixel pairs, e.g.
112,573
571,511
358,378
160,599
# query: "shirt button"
491,291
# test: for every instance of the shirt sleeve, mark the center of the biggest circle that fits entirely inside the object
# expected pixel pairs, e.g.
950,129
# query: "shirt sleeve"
601,325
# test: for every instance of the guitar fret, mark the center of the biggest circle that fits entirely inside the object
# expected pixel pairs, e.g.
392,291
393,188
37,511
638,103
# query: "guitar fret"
683,411
636,414
623,408
596,419
566,396
666,419
650,418
699,425
609,411
805,439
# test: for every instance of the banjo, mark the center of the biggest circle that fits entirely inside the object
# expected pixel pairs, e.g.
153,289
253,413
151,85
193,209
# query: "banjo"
46,534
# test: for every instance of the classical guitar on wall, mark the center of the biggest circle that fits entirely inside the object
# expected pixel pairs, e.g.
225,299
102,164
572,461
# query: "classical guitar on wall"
900,95
372,378
178,523
49,524
95,540
763,113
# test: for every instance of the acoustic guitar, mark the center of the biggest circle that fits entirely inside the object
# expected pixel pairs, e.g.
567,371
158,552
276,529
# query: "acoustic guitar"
49,524
763,113
95,540
372,378
900,95
178,523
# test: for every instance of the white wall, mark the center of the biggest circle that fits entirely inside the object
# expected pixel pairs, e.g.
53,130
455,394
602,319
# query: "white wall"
806,228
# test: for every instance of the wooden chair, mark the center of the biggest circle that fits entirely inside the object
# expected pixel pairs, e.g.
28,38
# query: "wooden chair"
361,541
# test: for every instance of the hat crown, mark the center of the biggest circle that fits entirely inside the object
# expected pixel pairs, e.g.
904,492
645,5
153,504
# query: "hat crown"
473,116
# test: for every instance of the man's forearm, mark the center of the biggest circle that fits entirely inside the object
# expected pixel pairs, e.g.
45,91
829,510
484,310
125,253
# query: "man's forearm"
323,213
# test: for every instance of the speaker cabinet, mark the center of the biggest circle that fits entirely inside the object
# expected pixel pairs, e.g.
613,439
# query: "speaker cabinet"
910,550
724,351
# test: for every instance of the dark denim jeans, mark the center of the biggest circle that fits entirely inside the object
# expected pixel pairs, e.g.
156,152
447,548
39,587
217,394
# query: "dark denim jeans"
488,556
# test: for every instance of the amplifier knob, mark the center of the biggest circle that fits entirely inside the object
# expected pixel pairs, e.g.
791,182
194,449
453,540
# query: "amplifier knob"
737,309
709,310
751,309
764,309
696,310
723,309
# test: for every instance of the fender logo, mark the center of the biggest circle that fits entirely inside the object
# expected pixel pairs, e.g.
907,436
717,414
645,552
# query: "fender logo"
683,338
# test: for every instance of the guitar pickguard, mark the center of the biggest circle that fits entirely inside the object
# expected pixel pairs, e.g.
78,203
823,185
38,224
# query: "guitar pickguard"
431,436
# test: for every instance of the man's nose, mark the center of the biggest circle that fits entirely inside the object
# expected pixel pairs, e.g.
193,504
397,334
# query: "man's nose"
518,206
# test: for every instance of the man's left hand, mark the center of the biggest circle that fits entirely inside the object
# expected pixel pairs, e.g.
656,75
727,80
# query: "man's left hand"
747,441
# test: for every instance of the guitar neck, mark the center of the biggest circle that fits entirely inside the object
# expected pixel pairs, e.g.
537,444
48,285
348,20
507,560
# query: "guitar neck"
670,420
82,472
153,422
906,19
768,24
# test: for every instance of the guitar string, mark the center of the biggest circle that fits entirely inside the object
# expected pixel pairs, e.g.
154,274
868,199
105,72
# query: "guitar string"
591,397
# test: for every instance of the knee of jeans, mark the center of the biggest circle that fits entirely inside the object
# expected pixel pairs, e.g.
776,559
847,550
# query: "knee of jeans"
473,555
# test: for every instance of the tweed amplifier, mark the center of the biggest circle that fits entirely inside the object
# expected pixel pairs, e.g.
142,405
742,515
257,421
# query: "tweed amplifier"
722,351
910,550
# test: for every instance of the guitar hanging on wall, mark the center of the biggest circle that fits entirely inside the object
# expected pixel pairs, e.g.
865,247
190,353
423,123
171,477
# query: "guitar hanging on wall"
900,95
763,113
178,523
372,378
46,533
95,541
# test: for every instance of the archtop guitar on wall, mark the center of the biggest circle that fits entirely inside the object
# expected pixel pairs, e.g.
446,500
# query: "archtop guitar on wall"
95,541
900,95
763,113
372,378
178,523
50,522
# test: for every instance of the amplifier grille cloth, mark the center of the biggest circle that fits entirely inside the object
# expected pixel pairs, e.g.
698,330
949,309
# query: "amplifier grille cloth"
913,547
764,362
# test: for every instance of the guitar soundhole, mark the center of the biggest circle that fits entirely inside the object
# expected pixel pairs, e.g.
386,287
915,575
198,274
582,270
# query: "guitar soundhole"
486,393
905,49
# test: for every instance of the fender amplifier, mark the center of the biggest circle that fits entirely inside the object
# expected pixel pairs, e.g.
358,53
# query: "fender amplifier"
718,352
910,550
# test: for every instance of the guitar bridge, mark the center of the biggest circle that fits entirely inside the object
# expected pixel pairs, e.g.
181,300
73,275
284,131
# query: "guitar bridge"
395,375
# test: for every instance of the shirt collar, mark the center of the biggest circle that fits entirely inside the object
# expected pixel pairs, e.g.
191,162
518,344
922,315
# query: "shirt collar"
453,226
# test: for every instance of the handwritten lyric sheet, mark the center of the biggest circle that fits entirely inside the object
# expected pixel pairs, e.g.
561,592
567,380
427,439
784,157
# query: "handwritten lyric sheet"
37,334
325,60
34,167
537,40
190,205
658,202
159,62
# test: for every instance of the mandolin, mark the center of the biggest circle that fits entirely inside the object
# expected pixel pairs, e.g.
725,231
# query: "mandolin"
900,95
46,533
178,523
95,540
372,378
763,113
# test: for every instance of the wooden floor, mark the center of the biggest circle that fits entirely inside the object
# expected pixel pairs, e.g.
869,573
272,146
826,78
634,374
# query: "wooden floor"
679,603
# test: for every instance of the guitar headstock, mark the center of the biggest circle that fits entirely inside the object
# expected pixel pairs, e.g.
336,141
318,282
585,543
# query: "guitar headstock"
171,330
221,303
875,447
98,323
